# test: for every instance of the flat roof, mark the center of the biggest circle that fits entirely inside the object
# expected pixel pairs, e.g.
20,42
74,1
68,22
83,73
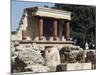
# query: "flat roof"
50,12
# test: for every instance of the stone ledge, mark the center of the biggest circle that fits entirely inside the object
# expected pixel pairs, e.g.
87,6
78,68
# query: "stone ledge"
44,42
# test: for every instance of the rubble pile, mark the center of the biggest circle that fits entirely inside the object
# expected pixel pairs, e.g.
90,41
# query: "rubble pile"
27,58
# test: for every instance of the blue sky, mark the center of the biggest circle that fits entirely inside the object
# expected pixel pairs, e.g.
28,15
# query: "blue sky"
17,9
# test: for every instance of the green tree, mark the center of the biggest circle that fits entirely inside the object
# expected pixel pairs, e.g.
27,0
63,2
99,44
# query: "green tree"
83,22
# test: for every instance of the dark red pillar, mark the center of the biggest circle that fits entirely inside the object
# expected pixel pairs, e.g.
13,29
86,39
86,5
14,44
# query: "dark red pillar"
67,30
55,29
40,28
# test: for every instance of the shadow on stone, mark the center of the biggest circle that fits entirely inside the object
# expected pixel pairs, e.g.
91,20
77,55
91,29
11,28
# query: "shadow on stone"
61,67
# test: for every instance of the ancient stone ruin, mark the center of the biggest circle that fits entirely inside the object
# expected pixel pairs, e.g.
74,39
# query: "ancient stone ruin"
37,48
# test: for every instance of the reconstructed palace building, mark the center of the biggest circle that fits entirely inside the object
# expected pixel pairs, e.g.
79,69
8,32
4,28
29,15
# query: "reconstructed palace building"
46,25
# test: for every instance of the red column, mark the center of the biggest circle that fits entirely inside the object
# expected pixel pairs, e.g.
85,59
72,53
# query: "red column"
24,34
55,30
40,28
70,31
67,31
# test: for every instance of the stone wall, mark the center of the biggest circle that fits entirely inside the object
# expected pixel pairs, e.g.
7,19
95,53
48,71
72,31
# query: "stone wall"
32,29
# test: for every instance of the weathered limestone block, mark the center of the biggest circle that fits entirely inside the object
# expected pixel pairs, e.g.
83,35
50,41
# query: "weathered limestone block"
78,66
73,66
52,57
27,53
31,56
38,68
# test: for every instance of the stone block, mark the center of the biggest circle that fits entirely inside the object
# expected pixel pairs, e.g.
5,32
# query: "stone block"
73,66
78,66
